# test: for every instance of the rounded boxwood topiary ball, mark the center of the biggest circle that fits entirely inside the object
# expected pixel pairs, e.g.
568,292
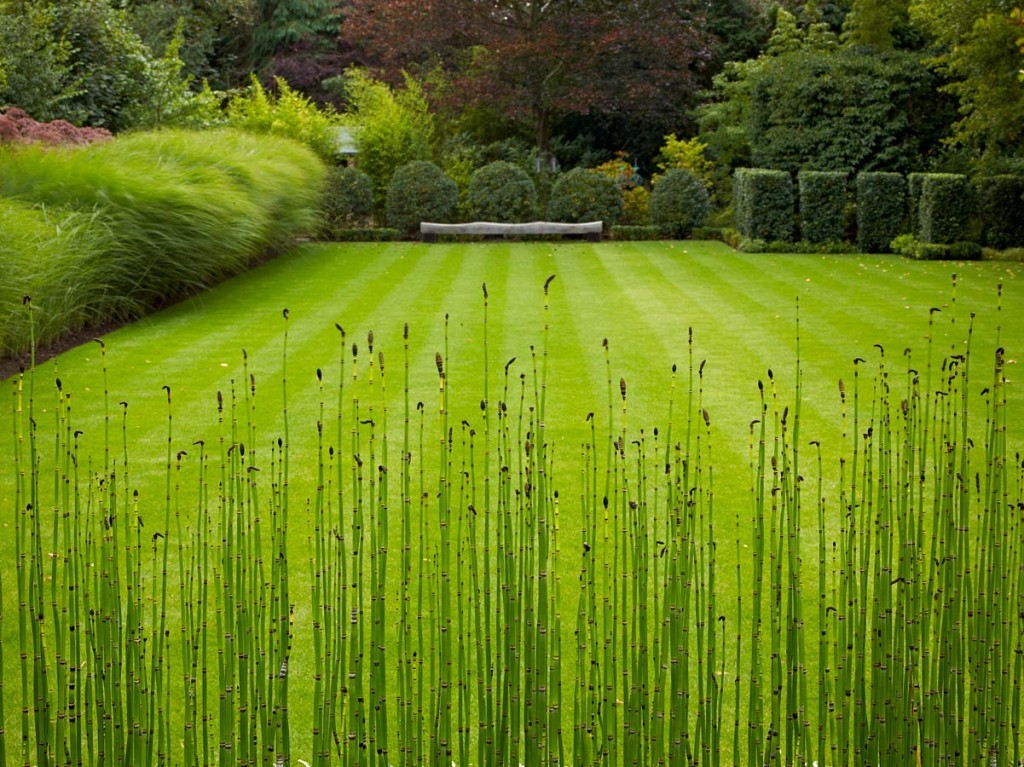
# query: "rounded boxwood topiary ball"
583,195
420,191
502,192
679,202
347,201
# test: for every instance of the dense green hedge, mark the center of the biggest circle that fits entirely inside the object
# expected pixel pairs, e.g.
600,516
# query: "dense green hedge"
881,210
915,181
940,209
753,245
420,191
763,203
945,208
679,202
822,205
503,192
911,247
639,232
1000,209
367,234
583,195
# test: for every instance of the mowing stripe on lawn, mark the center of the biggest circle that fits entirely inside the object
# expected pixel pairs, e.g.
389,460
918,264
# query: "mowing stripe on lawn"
644,298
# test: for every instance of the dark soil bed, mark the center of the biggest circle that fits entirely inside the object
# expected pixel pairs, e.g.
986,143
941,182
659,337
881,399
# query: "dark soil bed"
10,366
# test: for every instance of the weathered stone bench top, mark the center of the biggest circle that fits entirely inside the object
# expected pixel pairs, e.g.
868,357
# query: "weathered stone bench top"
590,229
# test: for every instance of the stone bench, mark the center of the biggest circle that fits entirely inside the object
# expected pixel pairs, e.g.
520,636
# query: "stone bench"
590,230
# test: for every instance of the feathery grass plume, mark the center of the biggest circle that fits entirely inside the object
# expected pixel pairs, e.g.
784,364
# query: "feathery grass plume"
55,255
119,228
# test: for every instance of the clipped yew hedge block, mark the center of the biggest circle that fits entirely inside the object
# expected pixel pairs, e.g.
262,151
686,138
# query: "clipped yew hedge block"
823,197
1000,209
764,204
881,210
945,208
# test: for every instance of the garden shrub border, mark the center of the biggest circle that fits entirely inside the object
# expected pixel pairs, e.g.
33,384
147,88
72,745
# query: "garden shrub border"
945,208
881,210
1000,210
584,194
764,203
679,202
420,191
823,199
502,191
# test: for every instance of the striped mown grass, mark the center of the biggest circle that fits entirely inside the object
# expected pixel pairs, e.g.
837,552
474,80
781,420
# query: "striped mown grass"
447,508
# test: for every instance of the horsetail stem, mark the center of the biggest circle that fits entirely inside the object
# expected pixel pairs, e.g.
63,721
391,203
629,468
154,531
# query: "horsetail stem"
916,567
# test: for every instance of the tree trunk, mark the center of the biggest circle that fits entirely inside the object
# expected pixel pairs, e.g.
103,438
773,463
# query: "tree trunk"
542,134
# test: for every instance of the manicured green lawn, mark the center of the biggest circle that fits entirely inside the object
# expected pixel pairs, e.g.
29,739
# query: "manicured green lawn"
749,314
644,298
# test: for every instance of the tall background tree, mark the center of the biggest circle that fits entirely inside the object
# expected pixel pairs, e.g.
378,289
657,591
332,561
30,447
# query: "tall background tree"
83,61
977,49
217,35
536,62
861,97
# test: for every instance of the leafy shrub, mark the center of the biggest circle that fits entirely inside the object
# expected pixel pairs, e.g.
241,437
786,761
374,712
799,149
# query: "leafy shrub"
36,64
167,98
1010,254
368,234
965,251
822,203
687,155
636,206
756,245
957,251
945,208
636,198
420,191
286,113
904,245
391,127
724,234
763,201
457,157
881,210
621,232
621,171
502,192
679,202
1000,208
583,195
911,247
347,200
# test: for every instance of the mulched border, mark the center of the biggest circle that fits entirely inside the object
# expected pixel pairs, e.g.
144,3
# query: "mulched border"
11,366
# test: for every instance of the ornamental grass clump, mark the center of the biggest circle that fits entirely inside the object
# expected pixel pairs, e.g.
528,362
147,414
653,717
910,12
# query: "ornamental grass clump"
55,256
460,600
134,223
